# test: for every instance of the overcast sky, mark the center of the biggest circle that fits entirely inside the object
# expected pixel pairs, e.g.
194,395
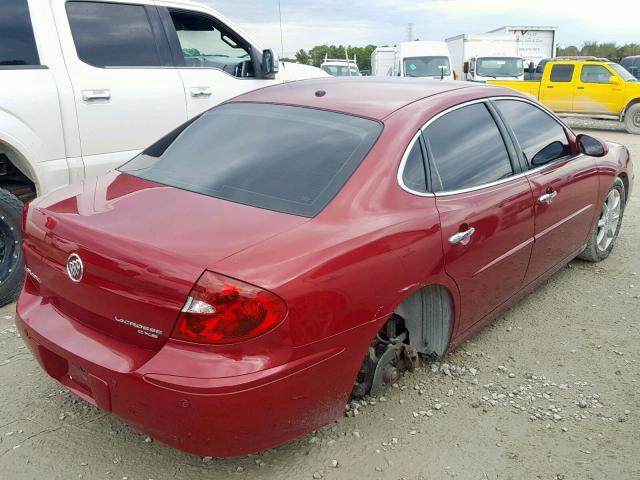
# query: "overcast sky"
380,22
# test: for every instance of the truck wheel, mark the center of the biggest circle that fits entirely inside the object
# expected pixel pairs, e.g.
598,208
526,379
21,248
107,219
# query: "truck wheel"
11,262
632,119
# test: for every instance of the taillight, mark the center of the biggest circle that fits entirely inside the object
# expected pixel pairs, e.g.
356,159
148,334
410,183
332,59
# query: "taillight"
224,310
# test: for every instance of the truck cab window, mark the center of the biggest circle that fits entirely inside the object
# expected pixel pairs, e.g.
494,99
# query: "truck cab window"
594,74
17,43
562,73
205,45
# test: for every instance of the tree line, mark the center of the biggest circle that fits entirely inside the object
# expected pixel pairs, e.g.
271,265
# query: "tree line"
316,55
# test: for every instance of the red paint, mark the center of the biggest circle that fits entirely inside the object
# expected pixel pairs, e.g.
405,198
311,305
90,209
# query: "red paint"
341,275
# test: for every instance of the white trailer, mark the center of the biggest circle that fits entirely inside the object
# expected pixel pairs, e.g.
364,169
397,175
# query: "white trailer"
533,42
383,60
484,56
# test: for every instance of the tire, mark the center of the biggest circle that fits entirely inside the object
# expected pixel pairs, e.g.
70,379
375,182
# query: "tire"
605,233
632,119
11,261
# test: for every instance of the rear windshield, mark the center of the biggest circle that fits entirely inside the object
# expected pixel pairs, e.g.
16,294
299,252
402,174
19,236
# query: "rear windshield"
288,159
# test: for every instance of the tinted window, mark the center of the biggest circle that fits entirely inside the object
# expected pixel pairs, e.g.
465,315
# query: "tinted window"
594,74
466,149
414,175
113,34
541,138
562,73
427,67
17,44
288,159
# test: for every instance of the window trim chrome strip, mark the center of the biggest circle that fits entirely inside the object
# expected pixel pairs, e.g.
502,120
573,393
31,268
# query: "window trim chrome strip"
485,185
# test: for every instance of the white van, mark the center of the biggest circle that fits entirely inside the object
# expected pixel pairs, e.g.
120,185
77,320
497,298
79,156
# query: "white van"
424,59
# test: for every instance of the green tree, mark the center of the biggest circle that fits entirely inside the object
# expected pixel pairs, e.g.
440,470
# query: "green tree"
303,57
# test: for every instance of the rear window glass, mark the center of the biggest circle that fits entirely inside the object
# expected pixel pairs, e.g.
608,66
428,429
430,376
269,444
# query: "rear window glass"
283,158
17,43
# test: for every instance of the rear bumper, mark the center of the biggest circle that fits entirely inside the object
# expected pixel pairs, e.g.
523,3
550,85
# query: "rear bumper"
206,416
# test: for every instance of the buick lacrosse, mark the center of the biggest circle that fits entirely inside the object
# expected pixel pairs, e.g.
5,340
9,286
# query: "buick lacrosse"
230,287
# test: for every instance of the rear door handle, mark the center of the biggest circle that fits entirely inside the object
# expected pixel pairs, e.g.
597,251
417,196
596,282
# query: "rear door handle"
93,95
200,91
549,86
462,237
547,198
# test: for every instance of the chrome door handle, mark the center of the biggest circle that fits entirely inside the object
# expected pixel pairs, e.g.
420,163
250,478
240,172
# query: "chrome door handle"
547,197
461,237
92,95
200,91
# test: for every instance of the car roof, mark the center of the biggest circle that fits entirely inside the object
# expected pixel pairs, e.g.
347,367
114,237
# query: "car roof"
374,97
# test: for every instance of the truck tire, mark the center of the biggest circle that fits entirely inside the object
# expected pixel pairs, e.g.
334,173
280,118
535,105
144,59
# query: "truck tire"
632,119
605,232
11,261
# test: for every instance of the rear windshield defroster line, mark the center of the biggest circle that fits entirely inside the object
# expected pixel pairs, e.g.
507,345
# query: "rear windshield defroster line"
276,157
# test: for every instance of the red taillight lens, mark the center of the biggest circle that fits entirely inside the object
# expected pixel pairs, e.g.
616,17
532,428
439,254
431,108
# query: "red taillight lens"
224,310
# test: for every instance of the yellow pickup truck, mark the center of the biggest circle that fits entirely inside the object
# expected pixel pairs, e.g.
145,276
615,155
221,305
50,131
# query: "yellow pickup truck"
592,88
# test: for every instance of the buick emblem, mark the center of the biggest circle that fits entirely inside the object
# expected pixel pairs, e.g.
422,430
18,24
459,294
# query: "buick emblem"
75,268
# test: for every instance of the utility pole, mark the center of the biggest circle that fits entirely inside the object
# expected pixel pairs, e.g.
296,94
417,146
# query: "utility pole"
410,32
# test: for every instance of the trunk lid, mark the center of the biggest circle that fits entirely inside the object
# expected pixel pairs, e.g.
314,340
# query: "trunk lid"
143,245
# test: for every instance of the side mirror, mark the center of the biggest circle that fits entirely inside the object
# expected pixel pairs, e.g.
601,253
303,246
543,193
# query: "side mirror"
591,146
614,80
270,64
549,153
465,67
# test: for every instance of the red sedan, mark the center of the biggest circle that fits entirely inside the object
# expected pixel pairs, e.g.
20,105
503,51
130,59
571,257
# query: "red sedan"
229,288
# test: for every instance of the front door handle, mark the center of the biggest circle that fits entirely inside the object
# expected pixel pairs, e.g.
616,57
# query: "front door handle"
462,237
580,88
93,95
200,91
547,198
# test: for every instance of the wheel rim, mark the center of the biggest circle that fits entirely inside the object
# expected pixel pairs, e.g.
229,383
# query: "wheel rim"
635,120
609,220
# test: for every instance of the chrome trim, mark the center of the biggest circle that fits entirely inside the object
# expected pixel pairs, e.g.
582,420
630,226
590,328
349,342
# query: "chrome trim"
461,237
485,185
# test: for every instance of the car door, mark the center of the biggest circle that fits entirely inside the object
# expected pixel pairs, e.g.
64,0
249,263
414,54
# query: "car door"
485,207
594,92
556,88
565,185
214,62
127,95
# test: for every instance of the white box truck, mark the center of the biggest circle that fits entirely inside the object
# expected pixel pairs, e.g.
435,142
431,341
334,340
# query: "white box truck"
425,59
534,43
383,62
483,57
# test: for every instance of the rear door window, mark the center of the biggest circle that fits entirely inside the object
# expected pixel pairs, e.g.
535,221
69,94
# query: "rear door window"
116,35
283,158
17,43
541,138
466,149
562,73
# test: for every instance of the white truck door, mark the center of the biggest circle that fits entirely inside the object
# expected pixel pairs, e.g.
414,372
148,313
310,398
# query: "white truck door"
215,62
126,91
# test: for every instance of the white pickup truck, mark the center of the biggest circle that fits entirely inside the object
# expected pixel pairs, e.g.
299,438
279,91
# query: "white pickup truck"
86,85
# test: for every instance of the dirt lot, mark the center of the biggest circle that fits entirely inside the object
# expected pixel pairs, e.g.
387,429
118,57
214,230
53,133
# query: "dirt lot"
550,391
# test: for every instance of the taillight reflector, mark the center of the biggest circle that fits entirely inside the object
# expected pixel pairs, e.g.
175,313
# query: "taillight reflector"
223,310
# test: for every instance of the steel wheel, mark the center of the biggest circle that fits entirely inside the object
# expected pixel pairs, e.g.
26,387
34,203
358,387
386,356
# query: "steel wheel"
609,220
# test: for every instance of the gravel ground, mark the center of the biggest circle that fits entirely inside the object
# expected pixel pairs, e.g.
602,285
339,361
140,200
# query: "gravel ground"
549,391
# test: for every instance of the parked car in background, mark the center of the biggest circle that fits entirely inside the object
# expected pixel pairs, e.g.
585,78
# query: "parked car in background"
632,64
592,88
85,85
341,67
225,307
